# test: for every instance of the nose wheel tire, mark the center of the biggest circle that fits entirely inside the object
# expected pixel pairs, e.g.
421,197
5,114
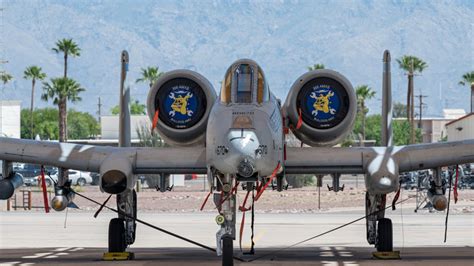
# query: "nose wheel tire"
117,235
384,235
227,251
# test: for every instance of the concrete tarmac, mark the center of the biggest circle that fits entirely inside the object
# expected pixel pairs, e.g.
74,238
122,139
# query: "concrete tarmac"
324,256
35,238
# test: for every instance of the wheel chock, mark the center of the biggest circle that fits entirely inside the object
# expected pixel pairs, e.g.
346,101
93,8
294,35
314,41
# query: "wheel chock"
386,255
110,256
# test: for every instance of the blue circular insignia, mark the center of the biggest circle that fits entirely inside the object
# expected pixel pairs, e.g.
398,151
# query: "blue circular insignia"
323,102
182,103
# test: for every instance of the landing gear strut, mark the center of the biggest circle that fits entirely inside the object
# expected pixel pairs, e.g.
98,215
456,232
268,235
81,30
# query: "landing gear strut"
122,230
379,228
225,201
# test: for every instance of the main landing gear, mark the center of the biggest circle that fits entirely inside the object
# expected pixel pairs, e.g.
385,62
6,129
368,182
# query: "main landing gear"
379,228
122,230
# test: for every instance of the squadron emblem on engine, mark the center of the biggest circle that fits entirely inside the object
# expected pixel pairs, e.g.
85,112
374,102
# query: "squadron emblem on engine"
323,103
180,104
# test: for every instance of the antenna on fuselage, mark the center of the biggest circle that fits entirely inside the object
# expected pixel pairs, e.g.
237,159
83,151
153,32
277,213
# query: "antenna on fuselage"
387,135
124,118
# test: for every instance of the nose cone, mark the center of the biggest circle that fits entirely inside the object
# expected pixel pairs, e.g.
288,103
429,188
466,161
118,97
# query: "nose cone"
245,142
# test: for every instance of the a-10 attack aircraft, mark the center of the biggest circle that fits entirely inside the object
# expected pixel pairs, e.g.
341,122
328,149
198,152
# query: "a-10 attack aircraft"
239,136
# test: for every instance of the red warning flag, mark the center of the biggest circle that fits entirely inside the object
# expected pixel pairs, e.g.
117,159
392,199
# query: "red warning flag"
45,192
300,119
260,192
155,120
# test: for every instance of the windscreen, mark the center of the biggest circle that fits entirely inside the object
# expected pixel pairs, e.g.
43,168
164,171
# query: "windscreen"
244,80
245,84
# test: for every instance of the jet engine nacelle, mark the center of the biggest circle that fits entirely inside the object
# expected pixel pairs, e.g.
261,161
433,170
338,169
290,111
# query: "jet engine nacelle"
116,174
321,107
182,100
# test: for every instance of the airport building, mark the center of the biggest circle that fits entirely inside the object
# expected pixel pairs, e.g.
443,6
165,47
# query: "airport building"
10,119
461,128
109,125
434,128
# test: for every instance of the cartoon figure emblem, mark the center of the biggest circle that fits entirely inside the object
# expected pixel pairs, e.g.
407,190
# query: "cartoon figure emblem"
323,102
180,104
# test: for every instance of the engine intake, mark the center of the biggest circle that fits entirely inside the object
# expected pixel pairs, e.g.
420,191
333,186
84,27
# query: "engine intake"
324,104
183,100
116,174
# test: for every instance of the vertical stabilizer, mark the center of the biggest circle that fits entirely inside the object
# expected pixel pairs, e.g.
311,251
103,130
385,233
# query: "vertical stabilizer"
387,137
124,119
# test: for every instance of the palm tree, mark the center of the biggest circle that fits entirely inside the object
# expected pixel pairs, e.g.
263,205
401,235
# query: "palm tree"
468,78
5,78
69,48
412,65
62,90
150,75
316,66
363,92
34,73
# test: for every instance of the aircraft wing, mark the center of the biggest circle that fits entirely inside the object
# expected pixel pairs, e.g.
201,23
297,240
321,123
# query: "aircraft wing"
326,160
90,158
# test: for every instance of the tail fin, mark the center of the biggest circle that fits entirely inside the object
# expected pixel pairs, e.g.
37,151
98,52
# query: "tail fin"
124,118
387,136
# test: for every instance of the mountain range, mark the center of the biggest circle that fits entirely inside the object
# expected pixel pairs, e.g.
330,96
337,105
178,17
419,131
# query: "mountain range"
284,37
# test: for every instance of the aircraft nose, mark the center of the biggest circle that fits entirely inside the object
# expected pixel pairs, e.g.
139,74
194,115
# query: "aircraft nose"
244,141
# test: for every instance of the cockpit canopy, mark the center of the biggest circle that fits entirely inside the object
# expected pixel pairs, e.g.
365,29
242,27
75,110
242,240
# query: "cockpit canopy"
244,83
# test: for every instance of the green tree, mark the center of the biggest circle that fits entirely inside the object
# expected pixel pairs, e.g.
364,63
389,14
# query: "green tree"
401,132
45,120
372,129
81,125
150,75
399,110
136,108
68,48
468,79
34,73
5,78
60,91
316,66
412,65
402,135
363,92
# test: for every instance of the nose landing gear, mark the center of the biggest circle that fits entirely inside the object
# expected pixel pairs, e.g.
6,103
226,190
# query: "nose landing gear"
225,201
379,228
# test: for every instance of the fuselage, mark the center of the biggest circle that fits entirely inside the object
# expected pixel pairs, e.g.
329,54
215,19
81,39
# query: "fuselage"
244,135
